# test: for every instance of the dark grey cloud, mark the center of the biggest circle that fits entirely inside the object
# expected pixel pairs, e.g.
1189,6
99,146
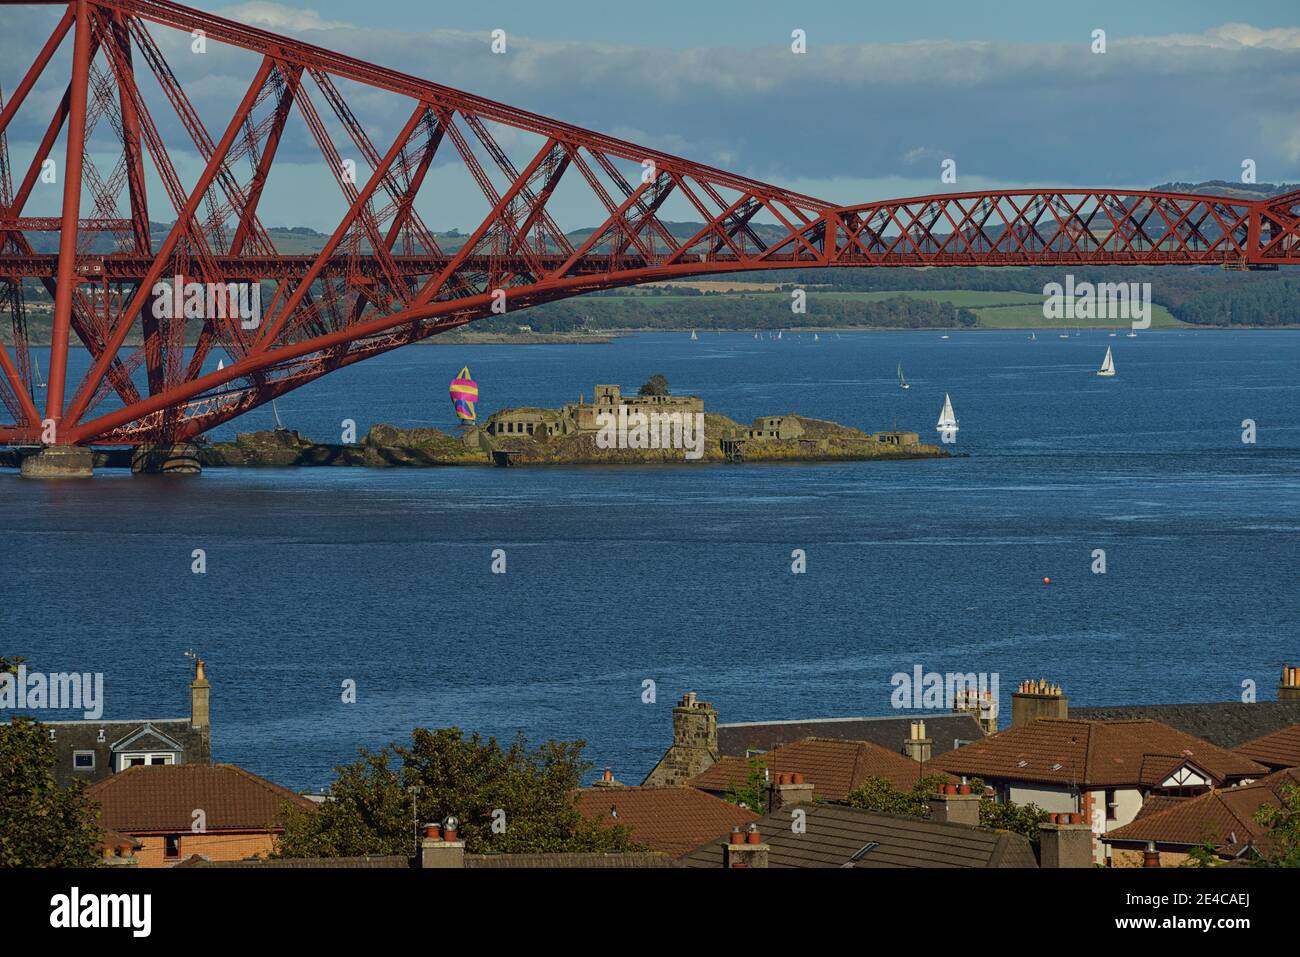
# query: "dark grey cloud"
1148,110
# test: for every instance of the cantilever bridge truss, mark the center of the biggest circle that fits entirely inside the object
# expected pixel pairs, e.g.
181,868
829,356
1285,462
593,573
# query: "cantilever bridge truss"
382,280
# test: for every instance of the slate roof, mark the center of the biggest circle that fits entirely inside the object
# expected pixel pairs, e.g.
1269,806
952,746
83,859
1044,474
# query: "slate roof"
575,859
671,820
1280,749
837,834
1225,723
833,768
1224,816
1095,754
162,733
371,861
161,799
947,731
477,861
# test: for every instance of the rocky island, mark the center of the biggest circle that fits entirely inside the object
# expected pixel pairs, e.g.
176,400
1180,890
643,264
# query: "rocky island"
651,427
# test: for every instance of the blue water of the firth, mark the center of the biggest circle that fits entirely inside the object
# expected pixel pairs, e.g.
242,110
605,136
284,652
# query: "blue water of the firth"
683,575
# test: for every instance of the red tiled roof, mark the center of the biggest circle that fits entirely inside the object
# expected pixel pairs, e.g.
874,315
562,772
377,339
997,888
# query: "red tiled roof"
1095,754
163,799
1280,749
1225,817
671,820
832,767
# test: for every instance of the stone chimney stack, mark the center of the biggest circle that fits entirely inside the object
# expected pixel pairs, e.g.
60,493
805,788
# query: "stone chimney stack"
1289,689
695,743
440,848
917,746
1038,699
199,691
745,849
1065,841
955,804
786,790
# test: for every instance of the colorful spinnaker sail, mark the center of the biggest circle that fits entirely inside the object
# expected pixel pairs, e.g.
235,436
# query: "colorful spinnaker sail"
464,393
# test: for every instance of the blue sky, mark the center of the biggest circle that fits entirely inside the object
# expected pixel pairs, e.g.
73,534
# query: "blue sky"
743,23
886,92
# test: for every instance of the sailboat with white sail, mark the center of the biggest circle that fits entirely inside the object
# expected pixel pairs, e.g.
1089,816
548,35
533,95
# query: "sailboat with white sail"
947,425
1107,364
37,380
902,383
694,337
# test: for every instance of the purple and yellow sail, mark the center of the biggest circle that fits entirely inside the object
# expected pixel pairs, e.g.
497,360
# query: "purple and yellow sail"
464,393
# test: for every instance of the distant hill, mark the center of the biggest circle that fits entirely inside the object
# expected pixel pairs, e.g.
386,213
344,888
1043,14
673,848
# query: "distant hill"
1220,187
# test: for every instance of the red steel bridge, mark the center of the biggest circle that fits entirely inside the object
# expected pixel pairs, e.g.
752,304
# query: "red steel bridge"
382,280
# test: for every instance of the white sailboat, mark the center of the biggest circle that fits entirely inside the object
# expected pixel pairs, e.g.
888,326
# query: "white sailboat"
816,338
947,420
1131,335
902,383
36,373
778,333
1033,338
694,337
944,336
1107,364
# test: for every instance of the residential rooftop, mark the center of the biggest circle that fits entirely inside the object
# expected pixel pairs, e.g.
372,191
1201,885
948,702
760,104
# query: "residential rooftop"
839,836
1115,753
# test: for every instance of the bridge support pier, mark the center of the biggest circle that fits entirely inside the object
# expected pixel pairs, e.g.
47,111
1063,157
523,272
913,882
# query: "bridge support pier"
58,462
176,458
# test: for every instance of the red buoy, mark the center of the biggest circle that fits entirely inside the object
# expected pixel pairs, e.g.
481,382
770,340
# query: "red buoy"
1047,581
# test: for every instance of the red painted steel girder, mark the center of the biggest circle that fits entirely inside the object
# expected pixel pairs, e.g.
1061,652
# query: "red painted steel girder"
382,280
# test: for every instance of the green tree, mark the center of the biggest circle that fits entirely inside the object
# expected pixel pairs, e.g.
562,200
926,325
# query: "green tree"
41,824
657,384
878,794
1283,822
530,792
1018,818
753,792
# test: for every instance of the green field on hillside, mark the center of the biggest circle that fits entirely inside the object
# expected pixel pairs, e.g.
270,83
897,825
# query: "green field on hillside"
996,310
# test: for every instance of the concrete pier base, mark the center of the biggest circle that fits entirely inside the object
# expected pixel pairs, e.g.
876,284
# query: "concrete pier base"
58,462
178,458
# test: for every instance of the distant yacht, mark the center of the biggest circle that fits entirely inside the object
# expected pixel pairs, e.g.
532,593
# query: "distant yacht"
944,336
902,383
36,373
694,337
1113,334
1033,338
778,333
1131,335
1063,335
816,338
1107,364
947,421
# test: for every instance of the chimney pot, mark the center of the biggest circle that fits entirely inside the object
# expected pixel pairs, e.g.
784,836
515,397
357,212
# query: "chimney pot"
753,837
433,831
737,835
796,777
1150,855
